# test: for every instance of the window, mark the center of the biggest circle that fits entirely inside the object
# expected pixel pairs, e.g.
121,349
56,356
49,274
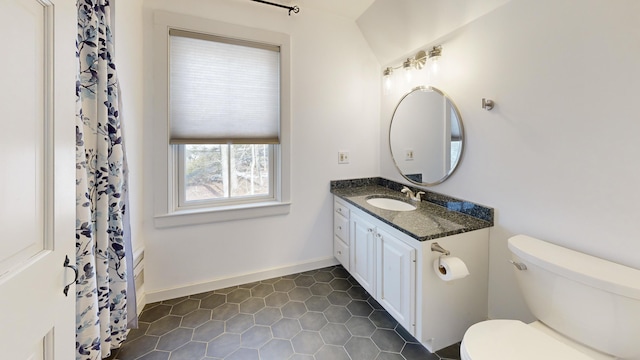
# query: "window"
227,120
210,174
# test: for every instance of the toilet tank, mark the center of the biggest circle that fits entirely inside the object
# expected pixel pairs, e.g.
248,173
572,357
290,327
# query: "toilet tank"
590,300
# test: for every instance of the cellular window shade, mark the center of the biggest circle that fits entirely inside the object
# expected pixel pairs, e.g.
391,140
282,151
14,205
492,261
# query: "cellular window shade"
222,90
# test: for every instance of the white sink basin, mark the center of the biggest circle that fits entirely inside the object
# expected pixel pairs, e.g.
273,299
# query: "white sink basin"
390,204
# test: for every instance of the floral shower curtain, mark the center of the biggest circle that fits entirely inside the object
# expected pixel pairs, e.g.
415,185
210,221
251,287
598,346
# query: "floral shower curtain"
105,301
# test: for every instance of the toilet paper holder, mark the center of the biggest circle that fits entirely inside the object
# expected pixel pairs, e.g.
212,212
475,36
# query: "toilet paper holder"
437,248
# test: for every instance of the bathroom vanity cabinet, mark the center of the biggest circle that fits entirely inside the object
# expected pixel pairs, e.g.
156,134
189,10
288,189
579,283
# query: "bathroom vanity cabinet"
396,268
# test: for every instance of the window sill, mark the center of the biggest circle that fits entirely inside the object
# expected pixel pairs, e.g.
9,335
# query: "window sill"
213,215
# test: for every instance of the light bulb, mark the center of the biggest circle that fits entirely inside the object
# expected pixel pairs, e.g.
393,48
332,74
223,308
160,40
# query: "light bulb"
386,78
434,66
407,65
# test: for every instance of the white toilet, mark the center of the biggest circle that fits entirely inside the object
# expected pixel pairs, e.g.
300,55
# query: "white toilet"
587,308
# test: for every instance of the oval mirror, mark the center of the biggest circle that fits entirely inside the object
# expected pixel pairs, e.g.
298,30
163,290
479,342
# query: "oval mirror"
426,137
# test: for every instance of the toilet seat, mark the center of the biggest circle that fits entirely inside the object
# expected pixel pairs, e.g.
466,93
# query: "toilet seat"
513,339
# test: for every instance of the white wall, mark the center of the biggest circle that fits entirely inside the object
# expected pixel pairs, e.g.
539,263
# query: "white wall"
129,64
335,106
558,156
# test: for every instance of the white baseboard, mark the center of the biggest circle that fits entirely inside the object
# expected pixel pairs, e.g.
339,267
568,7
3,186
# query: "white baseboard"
239,279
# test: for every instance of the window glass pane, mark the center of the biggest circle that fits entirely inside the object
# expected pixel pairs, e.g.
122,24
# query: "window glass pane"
249,170
204,170
223,172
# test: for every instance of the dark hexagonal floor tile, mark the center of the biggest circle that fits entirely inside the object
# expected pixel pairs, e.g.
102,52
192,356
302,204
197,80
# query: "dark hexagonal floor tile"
382,319
174,339
284,285
340,272
304,280
138,347
196,318
213,301
238,295
223,345
359,326
312,321
307,342
276,299
321,289
262,290
154,355
208,331
225,290
249,285
267,316
276,349
340,284
323,276
252,305
339,298
189,351
358,293
337,314
331,352
299,294
417,352
388,340
255,337
360,308
225,311
335,334
317,303
308,314
185,307
360,348
244,354
174,301
164,325
239,323
285,328
154,313
389,356
293,309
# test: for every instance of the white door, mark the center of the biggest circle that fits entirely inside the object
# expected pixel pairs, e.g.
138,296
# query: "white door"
37,178
362,252
396,279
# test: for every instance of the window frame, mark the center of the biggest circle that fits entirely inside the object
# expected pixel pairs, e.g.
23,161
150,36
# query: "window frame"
166,172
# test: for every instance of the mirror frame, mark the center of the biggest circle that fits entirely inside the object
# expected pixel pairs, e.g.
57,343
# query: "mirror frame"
462,135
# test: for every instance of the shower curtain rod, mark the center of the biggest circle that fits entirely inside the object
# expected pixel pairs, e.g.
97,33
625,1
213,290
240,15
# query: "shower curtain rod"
294,8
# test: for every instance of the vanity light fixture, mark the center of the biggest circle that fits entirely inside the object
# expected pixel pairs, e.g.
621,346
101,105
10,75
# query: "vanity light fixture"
418,62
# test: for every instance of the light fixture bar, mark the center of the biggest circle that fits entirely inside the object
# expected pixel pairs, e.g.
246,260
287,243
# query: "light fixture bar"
418,61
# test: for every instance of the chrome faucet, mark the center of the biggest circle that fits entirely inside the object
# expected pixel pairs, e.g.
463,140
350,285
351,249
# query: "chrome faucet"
415,197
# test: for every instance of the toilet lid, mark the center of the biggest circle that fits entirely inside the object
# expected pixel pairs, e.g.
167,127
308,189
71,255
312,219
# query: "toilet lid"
513,339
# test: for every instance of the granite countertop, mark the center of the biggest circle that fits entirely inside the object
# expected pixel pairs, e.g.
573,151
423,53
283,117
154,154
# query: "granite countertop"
436,216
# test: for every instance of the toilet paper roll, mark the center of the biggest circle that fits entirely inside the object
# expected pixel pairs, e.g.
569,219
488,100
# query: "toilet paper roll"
450,268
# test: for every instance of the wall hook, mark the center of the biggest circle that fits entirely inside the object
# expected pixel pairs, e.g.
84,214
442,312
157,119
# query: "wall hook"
487,104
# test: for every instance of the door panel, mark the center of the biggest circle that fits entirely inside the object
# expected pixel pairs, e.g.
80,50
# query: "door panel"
396,279
37,178
362,252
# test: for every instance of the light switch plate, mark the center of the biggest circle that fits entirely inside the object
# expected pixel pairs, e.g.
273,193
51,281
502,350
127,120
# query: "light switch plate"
408,154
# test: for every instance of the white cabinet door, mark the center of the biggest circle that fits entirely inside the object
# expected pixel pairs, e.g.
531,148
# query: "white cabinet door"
37,178
396,274
362,252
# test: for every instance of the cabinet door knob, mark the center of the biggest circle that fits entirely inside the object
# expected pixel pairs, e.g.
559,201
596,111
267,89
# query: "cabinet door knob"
339,252
339,227
370,230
